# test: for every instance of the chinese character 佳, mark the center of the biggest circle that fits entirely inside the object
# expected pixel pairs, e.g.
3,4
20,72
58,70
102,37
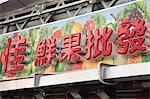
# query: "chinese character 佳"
13,54
131,36
45,52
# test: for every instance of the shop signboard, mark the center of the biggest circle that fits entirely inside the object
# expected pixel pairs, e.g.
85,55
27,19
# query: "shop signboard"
118,35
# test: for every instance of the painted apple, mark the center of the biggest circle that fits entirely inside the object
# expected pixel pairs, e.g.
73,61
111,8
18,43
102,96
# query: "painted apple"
77,66
57,33
90,25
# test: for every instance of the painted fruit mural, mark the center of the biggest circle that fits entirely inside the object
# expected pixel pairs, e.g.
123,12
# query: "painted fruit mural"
81,24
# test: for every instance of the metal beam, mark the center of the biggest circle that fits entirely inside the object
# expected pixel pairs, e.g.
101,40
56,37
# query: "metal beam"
21,2
76,95
68,12
46,20
5,29
104,4
103,95
112,3
39,96
46,11
29,7
79,9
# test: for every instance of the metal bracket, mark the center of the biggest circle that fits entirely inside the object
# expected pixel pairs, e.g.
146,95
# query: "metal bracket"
37,79
103,95
101,68
40,95
0,95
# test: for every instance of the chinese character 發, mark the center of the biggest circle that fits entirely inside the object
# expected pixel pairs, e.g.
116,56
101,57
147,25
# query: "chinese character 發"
131,36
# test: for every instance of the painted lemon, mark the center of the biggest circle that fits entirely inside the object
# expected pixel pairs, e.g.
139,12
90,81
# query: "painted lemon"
108,60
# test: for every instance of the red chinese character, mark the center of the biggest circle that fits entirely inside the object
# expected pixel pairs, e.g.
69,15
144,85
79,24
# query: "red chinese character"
46,52
51,46
93,42
40,57
89,44
41,49
14,48
106,48
127,30
70,47
4,56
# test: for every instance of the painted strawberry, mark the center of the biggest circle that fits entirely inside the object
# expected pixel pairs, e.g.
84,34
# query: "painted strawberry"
3,60
10,75
147,34
90,25
57,33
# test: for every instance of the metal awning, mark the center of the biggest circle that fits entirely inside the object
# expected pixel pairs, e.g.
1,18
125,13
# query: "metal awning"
139,71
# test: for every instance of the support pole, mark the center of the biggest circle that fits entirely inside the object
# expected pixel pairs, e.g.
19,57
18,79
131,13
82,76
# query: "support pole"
0,95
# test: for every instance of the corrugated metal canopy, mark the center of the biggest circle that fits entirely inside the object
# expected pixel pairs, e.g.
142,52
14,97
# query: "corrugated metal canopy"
14,5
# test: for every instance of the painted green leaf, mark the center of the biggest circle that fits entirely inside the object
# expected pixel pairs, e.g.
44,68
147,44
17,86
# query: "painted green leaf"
99,20
66,28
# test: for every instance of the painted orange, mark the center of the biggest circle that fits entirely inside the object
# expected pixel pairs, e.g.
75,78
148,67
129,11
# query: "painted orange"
77,28
50,69
135,59
27,37
89,64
